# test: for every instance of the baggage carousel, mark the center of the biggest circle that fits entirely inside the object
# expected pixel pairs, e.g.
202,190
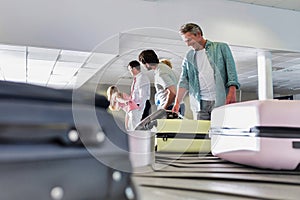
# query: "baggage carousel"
196,176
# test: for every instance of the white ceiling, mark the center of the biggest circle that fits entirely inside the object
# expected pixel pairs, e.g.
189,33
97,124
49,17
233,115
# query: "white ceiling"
283,4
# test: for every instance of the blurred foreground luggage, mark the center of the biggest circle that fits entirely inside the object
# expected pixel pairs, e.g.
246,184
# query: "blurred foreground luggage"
58,146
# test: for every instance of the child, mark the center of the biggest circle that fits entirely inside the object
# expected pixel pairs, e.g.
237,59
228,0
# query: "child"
119,100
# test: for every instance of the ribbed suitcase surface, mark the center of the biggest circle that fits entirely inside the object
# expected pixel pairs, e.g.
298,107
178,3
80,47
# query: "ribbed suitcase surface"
185,136
55,148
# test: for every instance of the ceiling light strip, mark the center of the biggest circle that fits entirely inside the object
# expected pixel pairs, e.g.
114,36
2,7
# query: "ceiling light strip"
57,58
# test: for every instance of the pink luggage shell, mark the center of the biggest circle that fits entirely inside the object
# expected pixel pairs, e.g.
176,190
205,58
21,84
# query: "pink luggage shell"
259,133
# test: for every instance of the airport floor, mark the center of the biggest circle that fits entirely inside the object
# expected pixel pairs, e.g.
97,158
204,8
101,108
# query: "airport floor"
196,176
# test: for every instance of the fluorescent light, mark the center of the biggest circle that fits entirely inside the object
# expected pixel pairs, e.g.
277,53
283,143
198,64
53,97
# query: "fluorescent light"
68,69
43,54
73,56
57,80
13,65
91,66
12,48
56,85
73,83
39,71
1,74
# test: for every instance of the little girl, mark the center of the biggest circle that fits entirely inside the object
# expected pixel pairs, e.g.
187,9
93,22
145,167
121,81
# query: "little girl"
119,100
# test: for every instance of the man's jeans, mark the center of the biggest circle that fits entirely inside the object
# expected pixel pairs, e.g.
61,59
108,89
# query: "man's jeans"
206,108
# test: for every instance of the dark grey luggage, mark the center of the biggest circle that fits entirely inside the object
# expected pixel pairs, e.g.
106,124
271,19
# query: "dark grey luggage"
151,120
52,147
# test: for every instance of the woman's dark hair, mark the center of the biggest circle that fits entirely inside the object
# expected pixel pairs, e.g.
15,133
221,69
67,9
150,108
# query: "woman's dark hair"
148,56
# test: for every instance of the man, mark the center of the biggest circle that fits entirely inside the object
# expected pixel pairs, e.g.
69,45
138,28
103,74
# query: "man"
140,94
165,80
208,74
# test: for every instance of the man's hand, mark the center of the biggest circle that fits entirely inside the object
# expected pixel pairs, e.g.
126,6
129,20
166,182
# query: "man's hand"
231,96
176,108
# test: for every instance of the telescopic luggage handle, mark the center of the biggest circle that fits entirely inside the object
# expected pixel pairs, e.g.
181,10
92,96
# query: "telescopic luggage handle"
151,120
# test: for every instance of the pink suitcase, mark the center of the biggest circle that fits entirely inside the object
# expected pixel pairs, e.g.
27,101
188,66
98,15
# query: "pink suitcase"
259,133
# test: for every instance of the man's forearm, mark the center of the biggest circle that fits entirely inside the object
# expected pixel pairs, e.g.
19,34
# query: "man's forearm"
180,94
170,96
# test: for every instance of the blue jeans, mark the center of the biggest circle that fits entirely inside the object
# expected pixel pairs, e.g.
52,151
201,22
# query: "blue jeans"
206,108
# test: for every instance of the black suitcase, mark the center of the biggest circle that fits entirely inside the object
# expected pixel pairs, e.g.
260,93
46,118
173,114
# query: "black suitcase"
56,145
